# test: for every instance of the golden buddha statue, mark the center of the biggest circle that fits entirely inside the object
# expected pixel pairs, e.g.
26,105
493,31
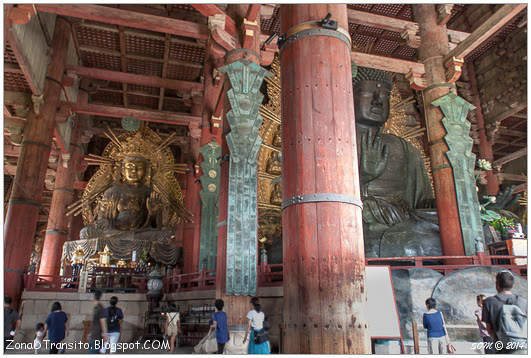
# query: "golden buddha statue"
276,195
134,202
274,165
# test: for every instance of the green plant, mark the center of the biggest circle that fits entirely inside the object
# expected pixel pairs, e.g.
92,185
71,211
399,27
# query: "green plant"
503,224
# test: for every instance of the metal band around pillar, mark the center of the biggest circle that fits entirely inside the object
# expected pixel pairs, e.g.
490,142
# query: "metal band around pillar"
322,197
313,28
23,201
64,189
56,232
36,143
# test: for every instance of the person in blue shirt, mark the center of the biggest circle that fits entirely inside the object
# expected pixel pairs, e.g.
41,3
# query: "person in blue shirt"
219,323
114,317
433,321
56,327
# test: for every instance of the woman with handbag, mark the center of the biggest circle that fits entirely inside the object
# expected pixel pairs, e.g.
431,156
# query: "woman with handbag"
259,340
433,321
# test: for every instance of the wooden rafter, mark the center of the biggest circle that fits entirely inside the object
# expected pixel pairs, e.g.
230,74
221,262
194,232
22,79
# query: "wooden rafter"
127,18
509,158
501,17
137,57
391,23
173,118
512,177
123,63
164,69
142,80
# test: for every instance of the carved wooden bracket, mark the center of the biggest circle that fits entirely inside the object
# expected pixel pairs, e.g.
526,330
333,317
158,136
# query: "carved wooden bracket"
216,25
410,35
415,80
444,13
21,14
195,131
454,68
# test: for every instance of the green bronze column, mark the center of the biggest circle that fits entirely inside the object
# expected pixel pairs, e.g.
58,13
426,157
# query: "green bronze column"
462,160
243,141
209,208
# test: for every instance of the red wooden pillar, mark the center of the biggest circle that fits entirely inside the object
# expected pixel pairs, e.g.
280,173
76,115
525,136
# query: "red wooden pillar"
324,261
57,228
25,202
63,195
434,46
485,145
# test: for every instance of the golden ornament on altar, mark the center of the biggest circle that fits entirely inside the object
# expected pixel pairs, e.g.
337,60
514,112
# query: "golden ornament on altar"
78,256
121,263
105,257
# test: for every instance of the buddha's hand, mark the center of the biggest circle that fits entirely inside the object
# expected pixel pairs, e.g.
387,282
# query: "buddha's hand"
374,155
153,203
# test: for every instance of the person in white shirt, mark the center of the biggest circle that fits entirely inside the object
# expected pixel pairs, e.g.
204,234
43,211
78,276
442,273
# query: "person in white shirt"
39,335
258,342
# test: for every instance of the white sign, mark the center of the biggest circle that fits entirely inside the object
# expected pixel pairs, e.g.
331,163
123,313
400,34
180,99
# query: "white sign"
381,307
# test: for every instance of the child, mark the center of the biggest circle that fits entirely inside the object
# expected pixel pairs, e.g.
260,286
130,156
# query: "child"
39,335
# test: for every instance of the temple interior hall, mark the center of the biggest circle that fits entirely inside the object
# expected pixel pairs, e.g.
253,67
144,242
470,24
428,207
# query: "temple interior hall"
353,167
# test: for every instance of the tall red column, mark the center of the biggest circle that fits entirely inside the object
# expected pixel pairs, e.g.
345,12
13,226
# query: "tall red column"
434,46
485,145
324,261
25,200
63,193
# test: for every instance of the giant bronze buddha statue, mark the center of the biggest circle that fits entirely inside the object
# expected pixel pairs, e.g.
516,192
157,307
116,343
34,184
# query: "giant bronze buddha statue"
395,189
133,202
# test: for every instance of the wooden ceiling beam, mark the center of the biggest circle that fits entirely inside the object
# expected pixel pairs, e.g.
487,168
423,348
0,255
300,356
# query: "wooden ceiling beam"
501,17
123,64
511,132
127,18
391,23
512,177
509,158
164,70
173,118
141,80
386,63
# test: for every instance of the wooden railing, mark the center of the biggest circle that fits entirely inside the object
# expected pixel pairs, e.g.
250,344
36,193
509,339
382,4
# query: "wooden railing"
34,282
268,275
447,264
203,280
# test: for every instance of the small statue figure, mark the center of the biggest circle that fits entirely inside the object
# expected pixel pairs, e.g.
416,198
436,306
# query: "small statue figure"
274,165
394,186
276,195
277,139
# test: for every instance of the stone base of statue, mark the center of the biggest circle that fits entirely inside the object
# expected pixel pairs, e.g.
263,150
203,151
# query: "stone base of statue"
159,244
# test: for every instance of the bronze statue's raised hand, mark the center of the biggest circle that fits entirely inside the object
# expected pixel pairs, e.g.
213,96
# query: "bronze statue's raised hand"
374,155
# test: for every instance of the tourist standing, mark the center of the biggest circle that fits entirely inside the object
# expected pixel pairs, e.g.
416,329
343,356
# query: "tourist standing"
173,325
114,317
98,330
505,315
11,321
219,323
433,321
485,337
258,341
56,327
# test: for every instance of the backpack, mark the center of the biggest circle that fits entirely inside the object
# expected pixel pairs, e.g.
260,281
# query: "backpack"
113,323
511,323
